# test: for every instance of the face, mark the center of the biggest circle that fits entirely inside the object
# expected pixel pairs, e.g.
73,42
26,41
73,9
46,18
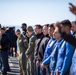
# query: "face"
45,30
2,31
18,33
37,30
50,31
62,28
56,34
73,27
28,33
23,27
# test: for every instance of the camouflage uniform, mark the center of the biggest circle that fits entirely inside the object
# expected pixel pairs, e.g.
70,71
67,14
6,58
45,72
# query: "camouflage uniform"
30,52
23,45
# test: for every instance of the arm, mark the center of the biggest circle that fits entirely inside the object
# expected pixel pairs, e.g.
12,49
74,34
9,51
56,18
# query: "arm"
5,43
68,58
25,41
47,61
72,8
69,38
30,48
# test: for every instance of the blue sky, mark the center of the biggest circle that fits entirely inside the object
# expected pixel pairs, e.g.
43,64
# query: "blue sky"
16,12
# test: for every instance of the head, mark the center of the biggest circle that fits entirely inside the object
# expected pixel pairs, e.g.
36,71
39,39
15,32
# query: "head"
13,28
30,31
73,26
38,29
65,26
45,29
57,34
18,32
2,30
24,27
51,29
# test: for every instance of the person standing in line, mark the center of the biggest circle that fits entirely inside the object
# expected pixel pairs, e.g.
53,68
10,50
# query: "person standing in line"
39,35
24,29
4,47
73,66
23,45
30,51
42,49
66,27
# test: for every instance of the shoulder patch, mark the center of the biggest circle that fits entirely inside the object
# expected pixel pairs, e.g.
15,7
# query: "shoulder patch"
24,40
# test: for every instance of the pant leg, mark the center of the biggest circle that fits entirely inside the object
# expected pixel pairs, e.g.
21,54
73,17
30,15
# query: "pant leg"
31,64
42,71
36,69
28,67
24,63
5,61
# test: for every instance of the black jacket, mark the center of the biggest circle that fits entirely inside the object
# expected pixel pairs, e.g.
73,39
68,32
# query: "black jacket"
69,38
42,47
5,42
37,44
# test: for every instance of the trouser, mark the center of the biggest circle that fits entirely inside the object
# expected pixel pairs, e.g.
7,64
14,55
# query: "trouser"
0,61
36,69
30,66
44,71
14,51
22,63
5,67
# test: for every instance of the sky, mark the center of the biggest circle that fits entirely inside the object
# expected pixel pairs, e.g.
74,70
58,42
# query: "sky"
16,12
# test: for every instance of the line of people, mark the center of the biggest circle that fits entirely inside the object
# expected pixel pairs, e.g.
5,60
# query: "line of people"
45,52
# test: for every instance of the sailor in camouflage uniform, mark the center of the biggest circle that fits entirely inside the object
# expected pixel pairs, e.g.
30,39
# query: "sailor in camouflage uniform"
30,51
23,45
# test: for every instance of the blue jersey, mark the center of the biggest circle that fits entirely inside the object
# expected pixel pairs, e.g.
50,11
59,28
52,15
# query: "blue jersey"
49,47
68,58
61,56
52,59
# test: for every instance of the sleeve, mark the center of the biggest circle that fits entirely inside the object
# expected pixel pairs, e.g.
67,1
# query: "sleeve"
61,55
42,49
31,45
5,43
69,38
25,42
47,61
68,58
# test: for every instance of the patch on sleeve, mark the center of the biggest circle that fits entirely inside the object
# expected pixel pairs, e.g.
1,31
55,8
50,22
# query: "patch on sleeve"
20,41
24,40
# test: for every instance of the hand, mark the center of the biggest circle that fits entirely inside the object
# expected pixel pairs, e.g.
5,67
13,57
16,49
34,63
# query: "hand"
42,66
51,73
37,63
72,8
57,73
27,56
0,47
13,48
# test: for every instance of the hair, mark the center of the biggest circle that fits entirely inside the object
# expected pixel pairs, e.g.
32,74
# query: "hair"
39,26
3,28
30,29
59,28
74,22
18,30
47,25
66,23
24,24
52,25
